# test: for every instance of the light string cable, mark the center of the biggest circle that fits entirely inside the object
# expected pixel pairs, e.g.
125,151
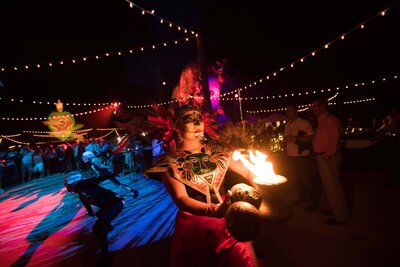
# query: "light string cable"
95,57
55,132
47,102
45,118
300,107
313,53
309,92
162,20
13,140
235,98
107,134
305,107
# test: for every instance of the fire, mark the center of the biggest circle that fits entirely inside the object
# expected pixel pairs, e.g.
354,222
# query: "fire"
260,167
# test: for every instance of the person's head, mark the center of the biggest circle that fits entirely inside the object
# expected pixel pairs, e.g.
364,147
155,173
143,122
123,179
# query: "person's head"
291,111
71,180
61,147
189,122
319,107
87,156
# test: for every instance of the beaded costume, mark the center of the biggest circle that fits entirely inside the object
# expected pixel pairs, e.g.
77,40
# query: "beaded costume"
202,172
202,240
199,240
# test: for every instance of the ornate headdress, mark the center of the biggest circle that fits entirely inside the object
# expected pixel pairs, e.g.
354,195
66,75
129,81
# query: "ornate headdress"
167,123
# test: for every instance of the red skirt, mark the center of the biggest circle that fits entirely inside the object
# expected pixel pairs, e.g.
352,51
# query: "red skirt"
205,241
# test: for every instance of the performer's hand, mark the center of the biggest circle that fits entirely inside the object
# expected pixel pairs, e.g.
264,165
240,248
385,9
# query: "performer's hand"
223,207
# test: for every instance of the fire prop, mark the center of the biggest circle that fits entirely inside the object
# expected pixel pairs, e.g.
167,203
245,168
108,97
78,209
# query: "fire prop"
272,207
260,167
242,217
243,221
244,192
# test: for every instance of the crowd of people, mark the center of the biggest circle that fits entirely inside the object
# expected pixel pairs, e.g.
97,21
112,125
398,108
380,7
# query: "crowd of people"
22,164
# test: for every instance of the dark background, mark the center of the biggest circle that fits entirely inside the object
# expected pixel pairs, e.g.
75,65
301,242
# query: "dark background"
256,37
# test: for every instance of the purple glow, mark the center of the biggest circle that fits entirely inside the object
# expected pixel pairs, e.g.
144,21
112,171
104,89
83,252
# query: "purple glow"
213,84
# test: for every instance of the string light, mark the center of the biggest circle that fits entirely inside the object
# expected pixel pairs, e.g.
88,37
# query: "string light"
45,118
162,20
48,132
106,129
326,46
54,141
51,103
96,57
305,107
107,134
15,141
285,95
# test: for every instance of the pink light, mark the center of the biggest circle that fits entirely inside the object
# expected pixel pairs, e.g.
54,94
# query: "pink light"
214,92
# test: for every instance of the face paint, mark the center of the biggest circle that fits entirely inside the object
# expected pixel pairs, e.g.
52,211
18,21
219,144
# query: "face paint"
194,117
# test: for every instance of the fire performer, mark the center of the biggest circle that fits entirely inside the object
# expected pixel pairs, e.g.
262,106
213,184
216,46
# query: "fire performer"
193,173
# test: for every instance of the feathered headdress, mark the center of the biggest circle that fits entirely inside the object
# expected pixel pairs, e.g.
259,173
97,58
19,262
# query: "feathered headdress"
165,123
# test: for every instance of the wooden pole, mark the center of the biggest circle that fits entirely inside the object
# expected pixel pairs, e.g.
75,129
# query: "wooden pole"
204,74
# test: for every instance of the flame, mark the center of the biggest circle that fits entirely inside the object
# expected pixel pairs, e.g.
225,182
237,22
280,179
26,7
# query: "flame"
260,167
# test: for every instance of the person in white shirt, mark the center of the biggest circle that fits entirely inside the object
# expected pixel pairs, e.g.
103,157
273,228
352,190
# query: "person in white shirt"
26,155
302,167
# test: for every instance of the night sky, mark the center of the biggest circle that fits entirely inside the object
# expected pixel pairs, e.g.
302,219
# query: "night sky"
256,37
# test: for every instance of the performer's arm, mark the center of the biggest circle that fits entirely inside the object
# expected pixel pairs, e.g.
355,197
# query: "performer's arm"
104,177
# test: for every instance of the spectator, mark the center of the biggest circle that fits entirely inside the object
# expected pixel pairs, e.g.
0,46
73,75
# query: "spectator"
50,155
93,146
302,168
326,147
157,148
11,171
69,158
38,165
394,121
26,154
2,168
61,158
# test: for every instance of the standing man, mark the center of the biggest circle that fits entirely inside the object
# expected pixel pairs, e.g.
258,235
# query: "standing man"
26,154
299,134
326,146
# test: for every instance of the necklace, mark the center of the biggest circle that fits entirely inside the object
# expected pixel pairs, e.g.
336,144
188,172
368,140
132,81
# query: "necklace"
196,150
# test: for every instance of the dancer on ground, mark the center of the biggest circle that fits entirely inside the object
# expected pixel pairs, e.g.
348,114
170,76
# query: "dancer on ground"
109,204
101,170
